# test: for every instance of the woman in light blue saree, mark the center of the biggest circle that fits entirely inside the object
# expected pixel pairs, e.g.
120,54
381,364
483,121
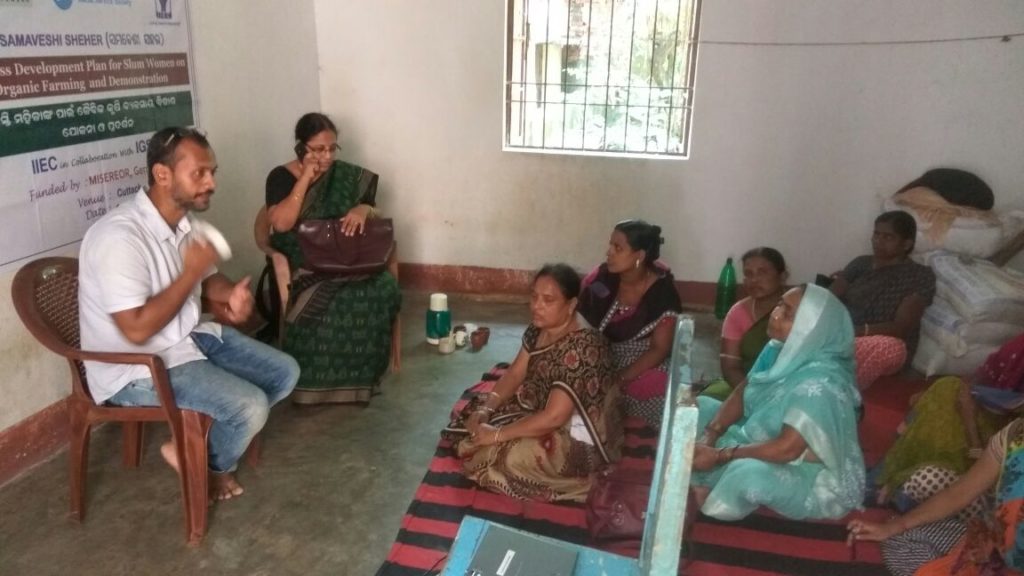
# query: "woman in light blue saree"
787,438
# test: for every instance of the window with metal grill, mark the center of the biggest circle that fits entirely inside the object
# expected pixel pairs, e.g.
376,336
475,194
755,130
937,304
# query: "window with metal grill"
600,76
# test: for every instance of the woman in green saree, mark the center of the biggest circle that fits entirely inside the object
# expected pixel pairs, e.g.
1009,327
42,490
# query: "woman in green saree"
949,426
339,329
745,329
931,540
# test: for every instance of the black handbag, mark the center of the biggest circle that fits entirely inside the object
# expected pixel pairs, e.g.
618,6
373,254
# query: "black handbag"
327,250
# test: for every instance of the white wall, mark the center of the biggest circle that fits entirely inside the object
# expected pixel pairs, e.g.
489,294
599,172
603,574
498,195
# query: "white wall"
256,69
256,61
791,145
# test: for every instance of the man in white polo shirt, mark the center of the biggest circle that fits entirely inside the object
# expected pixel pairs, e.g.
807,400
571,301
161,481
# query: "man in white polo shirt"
142,275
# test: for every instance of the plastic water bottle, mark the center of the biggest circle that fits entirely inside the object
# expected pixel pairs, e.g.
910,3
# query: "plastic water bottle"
725,294
439,318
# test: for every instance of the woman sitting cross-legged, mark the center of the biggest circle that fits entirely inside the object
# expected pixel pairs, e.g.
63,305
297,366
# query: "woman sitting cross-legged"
786,438
338,328
632,300
886,293
745,329
552,420
930,541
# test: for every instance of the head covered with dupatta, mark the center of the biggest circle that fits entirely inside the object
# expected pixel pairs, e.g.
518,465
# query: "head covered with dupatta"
812,374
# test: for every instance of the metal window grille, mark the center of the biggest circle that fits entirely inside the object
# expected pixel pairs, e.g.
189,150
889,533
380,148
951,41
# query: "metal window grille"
600,76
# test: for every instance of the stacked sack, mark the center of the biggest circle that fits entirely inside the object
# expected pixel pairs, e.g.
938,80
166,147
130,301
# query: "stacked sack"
978,307
980,237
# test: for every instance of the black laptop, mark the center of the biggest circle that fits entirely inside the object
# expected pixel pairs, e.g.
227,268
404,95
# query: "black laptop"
507,552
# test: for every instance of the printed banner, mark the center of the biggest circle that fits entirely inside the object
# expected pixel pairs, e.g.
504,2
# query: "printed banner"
83,85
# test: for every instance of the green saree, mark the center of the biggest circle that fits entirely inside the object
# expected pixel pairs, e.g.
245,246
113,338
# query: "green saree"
753,341
935,435
338,329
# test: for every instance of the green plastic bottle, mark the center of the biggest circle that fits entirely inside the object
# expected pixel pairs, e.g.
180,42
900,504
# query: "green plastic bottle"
725,294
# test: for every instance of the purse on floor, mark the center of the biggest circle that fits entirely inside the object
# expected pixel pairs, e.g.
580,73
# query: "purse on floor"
617,504
327,250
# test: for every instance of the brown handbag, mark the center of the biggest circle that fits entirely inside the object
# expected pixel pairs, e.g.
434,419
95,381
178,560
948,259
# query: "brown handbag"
617,504
327,250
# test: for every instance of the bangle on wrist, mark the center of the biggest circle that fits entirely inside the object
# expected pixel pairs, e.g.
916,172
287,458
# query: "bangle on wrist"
497,435
729,453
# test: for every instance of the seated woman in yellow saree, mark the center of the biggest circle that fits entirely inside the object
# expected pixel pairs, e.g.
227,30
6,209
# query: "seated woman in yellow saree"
338,329
931,541
553,418
949,426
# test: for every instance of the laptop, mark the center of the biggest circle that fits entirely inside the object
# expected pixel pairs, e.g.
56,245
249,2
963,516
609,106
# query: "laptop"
507,552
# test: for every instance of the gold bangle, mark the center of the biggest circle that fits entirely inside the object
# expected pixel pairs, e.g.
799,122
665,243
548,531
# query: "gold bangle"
497,435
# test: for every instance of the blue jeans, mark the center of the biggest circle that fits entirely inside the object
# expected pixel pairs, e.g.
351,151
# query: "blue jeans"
236,386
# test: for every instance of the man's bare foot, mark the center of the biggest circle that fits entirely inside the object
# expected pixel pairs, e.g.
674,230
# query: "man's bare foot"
224,486
170,456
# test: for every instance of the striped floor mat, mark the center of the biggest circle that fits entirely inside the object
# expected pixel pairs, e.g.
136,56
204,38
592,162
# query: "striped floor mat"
759,545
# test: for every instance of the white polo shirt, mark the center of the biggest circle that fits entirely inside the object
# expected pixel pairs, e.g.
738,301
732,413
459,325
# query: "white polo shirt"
127,257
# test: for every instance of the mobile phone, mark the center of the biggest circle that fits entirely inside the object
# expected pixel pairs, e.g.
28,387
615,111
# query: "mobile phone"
823,280
300,150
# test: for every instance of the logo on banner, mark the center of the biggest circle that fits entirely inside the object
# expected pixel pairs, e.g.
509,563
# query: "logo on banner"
63,4
163,9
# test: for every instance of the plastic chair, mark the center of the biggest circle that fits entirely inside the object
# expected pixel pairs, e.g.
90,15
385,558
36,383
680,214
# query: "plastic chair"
45,294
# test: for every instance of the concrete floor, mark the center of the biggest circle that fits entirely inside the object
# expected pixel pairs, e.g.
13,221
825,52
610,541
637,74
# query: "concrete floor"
327,497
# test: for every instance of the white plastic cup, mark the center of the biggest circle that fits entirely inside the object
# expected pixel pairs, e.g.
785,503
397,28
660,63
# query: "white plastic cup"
446,345
206,231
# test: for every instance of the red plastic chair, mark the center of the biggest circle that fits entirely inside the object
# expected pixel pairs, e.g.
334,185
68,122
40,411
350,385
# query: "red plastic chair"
45,295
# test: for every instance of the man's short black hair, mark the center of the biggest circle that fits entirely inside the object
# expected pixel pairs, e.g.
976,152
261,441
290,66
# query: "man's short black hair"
165,142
